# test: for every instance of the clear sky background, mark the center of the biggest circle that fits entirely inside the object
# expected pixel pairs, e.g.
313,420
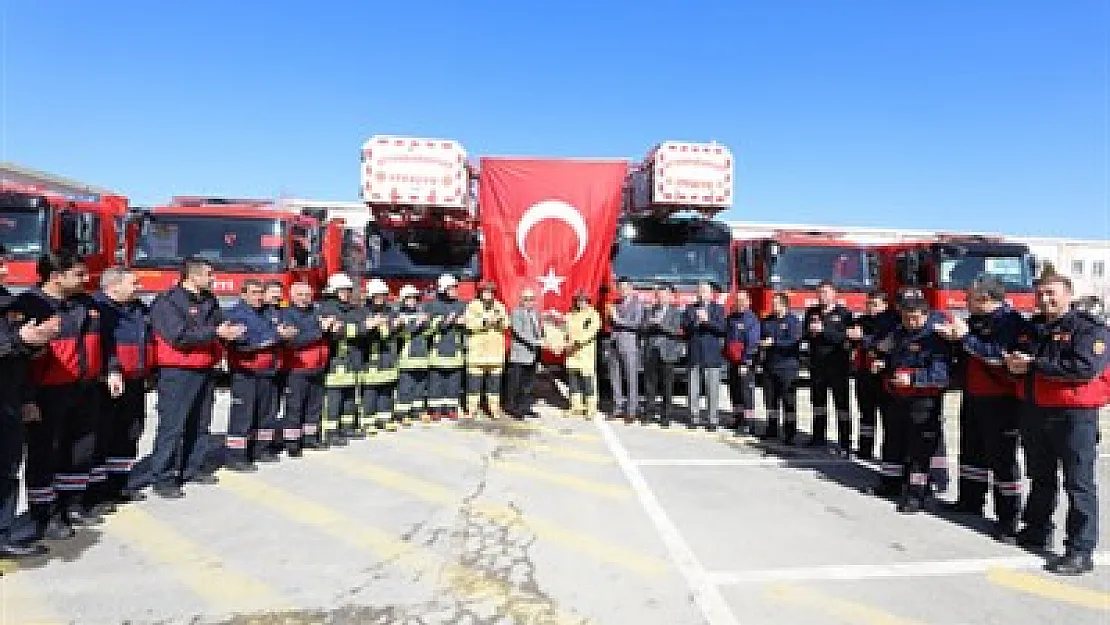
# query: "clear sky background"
941,114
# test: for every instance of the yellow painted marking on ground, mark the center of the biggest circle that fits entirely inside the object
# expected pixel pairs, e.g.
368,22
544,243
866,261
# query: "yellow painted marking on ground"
525,470
204,573
19,605
1045,588
576,541
849,611
464,582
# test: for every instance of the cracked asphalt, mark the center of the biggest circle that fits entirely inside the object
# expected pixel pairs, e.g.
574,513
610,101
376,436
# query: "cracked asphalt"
545,522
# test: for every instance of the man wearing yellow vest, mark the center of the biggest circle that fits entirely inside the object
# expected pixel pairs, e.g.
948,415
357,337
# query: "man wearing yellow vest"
583,324
486,321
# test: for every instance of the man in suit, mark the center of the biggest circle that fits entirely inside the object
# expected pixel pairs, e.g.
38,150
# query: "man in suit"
704,326
524,351
663,348
626,316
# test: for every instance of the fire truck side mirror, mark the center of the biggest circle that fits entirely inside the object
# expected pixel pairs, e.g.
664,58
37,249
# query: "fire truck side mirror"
1034,264
873,267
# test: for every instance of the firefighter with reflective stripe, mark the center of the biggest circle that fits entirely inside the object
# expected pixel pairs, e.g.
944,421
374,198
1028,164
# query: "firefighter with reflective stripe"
304,359
285,436
826,328
448,360
253,361
741,348
187,325
989,413
129,353
380,345
486,321
19,341
414,330
583,324
65,378
1061,362
780,338
867,330
916,372
344,361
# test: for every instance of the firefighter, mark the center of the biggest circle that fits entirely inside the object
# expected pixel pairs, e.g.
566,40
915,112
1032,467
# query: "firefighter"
414,329
447,356
273,303
583,324
252,432
380,345
129,351
187,326
741,347
780,339
916,373
989,412
344,362
826,326
865,332
304,359
1061,364
18,343
486,321
704,326
65,376
663,347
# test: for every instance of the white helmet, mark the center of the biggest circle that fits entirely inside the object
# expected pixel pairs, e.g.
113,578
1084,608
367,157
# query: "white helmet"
408,291
338,281
446,281
377,286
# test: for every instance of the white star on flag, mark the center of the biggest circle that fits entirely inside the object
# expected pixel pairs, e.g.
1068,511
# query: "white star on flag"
551,283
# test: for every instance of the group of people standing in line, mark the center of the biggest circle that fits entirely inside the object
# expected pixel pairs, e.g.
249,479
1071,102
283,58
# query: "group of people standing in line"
311,374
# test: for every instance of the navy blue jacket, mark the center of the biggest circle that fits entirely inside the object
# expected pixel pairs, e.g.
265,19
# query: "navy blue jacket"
924,354
745,327
783,355
260,334
705,341
126,336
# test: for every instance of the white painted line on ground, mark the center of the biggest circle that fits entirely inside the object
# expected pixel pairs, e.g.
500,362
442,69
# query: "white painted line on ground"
707,596
940,568
737,462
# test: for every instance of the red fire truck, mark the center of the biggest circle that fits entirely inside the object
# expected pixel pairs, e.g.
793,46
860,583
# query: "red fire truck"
421,220
945,266
795,262
667,232
242,238
34,221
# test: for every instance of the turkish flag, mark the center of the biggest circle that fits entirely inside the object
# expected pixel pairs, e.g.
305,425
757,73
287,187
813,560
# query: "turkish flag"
548,224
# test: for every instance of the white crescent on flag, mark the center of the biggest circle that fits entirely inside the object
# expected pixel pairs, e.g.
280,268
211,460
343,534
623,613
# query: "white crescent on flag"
552,209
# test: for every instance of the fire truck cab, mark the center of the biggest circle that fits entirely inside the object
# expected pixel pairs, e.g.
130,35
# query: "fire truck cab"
34,221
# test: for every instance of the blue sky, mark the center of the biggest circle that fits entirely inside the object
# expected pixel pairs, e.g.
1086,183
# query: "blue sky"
946,114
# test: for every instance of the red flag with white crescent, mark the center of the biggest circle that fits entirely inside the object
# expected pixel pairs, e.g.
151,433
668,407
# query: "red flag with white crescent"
548,224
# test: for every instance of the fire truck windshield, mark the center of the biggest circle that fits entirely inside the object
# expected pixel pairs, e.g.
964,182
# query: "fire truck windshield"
959,272
804,267
231,244
675,263
23,231
421,253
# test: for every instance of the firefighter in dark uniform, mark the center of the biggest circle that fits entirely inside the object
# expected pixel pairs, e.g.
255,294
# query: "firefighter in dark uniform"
916,373
285,436
741,348
415,332
130,355
187,325
304,358
253,361
781,336
867,330
1063,381
989,412
66,379
448,362
341,377
19,341
379,343
826,330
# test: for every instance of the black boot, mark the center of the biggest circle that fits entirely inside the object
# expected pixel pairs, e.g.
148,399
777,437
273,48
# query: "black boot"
56,528
1072,563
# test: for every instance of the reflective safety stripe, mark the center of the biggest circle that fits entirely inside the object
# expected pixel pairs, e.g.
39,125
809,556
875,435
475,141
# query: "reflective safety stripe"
291,434
119,465
1009,489
41,495
236,442
328,425
891,469
938,462
843,415
71,481
264,435
347,419
450,403
310,429
975,474
866,430
98,474
919,479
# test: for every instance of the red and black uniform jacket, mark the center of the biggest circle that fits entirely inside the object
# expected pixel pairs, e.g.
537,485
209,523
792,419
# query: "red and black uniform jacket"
184,328
1069,369
988,337
308,351
923,355
257,351
76,354
128,348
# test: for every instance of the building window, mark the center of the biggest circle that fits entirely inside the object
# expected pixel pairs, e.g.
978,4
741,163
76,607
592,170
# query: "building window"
1077,268
1098,269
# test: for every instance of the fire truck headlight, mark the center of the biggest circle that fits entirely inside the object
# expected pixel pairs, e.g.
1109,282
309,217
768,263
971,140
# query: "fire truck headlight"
628,231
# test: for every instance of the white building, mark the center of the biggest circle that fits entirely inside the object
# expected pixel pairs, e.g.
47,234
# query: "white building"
1086,262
